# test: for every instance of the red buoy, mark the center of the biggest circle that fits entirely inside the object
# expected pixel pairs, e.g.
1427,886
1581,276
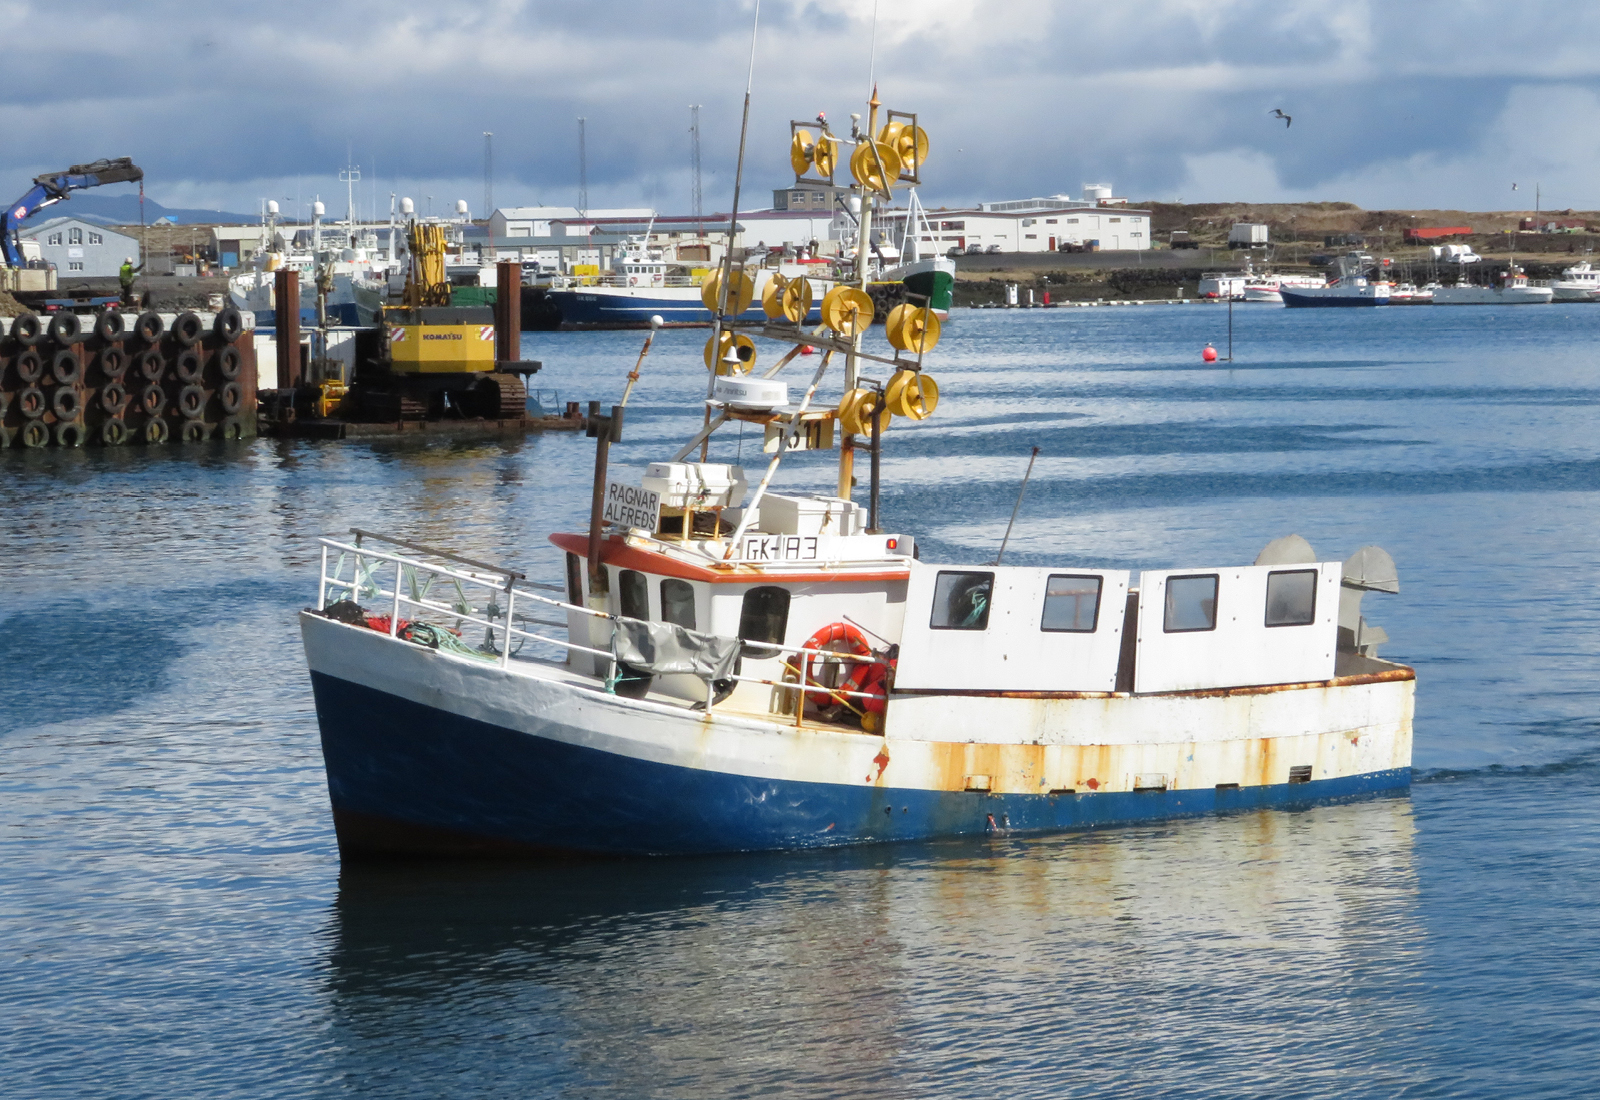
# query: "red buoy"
1210,354
807,349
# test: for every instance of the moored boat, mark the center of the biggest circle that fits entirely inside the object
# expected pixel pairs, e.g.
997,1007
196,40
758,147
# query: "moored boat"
1513,290
1352,287
727,667
1578,283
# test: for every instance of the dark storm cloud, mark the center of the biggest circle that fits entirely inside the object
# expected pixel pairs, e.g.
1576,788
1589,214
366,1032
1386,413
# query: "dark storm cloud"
225,104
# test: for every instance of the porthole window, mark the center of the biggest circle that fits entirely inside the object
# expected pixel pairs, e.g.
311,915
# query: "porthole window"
1191,604
961,601
1071,604
1292,598
634,593
677,603
764,617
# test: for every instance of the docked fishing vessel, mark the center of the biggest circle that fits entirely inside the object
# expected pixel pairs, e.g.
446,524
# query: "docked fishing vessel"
642,285
1267,286
929,278
726,666
354,272
1578,283
1354,286
1513,290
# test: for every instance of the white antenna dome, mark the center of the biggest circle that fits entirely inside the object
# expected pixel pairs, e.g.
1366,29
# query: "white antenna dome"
317,210
407,206
461,207
272,206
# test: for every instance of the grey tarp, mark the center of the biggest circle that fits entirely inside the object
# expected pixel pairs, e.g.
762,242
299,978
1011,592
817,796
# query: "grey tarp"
662,649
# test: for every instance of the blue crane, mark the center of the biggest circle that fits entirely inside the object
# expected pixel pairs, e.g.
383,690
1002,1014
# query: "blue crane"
52,187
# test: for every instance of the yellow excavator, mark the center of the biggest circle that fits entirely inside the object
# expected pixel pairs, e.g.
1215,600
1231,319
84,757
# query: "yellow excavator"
430,360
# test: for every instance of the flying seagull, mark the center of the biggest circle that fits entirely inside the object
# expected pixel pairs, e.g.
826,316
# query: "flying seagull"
1287,121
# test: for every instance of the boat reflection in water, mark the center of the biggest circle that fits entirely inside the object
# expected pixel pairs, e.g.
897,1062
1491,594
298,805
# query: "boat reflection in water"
1227,947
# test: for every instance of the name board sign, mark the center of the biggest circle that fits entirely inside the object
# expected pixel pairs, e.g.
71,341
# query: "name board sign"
779,548
631,506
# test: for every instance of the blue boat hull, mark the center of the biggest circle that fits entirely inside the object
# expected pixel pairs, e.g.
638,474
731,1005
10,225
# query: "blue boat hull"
407,779
1304,299
581,309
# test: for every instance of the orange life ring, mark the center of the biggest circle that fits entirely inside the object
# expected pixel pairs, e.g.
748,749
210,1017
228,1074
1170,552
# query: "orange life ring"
860,672
633,280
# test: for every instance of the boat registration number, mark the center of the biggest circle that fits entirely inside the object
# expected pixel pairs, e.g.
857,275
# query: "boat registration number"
779,548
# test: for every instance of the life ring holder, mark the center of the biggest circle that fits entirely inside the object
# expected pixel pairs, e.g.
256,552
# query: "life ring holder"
860,672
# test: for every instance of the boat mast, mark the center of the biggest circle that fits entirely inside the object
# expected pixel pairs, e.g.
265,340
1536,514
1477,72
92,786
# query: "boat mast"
847,443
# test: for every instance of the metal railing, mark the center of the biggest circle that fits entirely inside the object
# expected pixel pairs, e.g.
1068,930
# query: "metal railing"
412,581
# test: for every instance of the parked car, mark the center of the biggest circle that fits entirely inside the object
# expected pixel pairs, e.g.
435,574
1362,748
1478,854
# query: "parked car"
974,250
993,250
953,251
1069,246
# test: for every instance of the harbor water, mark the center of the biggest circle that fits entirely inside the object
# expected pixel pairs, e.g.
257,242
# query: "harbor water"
176,921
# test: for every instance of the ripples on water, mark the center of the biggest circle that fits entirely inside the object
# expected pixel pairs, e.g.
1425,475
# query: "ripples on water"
176,922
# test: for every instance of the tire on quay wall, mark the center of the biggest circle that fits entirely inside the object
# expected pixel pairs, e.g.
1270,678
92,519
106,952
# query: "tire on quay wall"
193,431
66,328
187,365
231,428
152,399
191,402
70,433
152,365
110,325
31,403
113,363
187,329
34,434
149,326
30,366
231,395
228,325
155,430
114,432
28,330
228,362
65,368
113,397
66,403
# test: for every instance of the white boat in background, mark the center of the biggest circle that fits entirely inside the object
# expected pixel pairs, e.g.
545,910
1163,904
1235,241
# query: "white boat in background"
1222,285
1267,286
1409,294
1514,290
1579,283
1351,288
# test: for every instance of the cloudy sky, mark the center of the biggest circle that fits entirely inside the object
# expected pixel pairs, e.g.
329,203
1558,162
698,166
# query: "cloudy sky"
1395,104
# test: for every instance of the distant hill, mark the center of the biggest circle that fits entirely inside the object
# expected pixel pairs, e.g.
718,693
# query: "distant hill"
124,210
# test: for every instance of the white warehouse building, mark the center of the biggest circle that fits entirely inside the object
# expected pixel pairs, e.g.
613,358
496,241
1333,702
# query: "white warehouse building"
1046,224
79,248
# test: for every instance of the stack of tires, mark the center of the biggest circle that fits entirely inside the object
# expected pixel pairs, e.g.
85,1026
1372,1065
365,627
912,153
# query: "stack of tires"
70,379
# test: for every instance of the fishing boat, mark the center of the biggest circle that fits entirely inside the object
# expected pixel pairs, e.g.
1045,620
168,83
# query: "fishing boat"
642,285
1513,290
726,666
1267,286
1352,287
1578,283
930,277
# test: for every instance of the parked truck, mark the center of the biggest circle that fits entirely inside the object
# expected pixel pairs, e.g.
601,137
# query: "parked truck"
1247,235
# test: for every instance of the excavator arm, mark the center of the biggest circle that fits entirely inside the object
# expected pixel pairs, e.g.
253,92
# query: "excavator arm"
52,187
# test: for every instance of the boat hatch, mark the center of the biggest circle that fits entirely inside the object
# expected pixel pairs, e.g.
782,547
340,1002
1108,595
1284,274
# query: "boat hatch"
1239,627
1005,628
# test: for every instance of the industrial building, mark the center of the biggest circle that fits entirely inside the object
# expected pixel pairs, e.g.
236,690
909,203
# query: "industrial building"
80,248
1046,224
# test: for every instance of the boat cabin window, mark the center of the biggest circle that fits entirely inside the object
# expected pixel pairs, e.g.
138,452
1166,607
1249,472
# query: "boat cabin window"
1191,603
961,601
1071,603
574,580
677,603
634,593
764,617
1292,598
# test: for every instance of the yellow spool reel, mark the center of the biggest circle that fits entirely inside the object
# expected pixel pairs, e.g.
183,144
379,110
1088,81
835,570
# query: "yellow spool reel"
910,142
826,156
795,301
772,296
855,413
864,166
806,152
743,348
912,328
740,292
847,310
911,394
